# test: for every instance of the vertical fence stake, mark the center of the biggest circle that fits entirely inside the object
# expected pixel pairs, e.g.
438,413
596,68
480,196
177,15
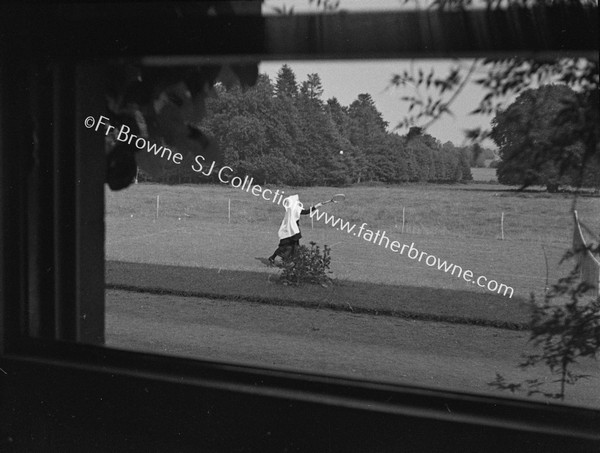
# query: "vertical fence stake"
157,205
502,225
402,219
312,223
229,210
547,273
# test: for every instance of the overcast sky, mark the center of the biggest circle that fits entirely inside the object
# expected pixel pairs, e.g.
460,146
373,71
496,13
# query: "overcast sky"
347,79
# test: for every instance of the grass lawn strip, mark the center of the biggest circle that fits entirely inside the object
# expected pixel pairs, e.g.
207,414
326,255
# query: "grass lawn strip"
408,302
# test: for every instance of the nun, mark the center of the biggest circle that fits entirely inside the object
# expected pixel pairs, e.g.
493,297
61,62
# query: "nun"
289,231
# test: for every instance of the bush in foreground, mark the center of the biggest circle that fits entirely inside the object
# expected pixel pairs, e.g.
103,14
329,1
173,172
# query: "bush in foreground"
308,265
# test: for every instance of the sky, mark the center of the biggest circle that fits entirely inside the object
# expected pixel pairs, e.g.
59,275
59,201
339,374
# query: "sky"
345,80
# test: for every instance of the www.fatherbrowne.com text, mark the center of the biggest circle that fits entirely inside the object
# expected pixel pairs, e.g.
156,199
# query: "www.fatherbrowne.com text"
380,238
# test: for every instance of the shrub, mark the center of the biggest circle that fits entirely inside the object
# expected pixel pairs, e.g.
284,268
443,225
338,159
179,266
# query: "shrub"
308,266
565,332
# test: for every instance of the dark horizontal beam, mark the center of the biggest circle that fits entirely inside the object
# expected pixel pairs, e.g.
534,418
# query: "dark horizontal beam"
541,32
189,35
547,422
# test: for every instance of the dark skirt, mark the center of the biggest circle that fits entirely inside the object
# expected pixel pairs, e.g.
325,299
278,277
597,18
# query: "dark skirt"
292,240
287,247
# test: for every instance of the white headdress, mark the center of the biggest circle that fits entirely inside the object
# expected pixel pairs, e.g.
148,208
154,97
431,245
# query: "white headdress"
293,208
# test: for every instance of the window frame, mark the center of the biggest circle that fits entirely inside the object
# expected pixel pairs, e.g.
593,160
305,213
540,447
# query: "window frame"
51,218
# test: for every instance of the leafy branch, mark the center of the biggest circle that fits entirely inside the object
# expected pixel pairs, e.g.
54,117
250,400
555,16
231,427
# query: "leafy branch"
461,5
327,6
502,80
432,107
565,333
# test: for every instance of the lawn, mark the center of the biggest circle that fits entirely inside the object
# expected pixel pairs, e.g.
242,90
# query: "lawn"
213,241
461,210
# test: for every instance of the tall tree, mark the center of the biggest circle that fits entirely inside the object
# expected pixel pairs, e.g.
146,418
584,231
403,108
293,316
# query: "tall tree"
534,138
368,135
323,140
312,88
363,110
285,84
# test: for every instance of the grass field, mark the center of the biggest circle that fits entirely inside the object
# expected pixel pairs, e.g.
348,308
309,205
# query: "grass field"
207,233
195,281
464,211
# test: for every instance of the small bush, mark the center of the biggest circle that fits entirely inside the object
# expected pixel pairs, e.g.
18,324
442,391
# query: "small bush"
308,266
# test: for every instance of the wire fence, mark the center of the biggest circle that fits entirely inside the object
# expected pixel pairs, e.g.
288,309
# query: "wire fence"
537,220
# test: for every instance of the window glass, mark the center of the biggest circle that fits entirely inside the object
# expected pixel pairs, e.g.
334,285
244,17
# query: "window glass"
420,274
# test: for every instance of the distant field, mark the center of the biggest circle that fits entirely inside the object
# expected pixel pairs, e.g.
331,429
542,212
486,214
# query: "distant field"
449,211
484,174
458,223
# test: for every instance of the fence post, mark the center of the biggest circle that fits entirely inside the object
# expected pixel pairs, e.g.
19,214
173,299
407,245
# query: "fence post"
157,205
229,210
502,225
402,219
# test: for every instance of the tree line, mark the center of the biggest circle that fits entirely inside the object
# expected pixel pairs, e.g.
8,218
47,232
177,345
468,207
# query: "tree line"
283,132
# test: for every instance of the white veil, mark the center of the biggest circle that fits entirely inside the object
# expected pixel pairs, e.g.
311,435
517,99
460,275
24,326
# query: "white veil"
289,225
